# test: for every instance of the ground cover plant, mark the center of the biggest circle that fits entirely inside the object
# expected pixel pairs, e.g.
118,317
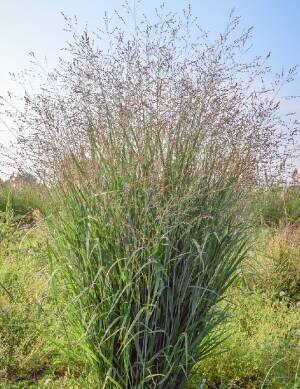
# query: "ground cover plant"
263,350
29,356
23,287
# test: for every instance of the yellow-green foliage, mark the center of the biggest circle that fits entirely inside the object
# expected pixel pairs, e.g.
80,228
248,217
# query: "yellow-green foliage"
263,344
277,206
23,299
23,198
277,265
263,349
29,356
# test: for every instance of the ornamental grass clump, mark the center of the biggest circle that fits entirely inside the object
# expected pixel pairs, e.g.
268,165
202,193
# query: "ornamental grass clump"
152,133
146,246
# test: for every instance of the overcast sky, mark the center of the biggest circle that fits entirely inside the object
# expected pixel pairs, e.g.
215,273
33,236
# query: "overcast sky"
37,25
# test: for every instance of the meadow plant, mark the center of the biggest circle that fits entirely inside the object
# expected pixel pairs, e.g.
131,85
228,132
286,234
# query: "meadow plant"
155,137
144,251
163,74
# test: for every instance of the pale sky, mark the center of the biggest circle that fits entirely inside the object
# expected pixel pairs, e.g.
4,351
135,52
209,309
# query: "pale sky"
37,25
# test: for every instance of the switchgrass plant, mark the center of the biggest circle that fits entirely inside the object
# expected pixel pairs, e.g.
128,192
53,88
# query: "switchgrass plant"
156,133
147,241
162,71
